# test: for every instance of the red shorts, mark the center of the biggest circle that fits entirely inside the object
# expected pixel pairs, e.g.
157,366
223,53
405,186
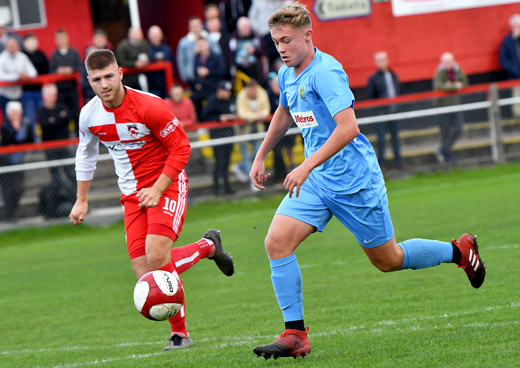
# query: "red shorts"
165,219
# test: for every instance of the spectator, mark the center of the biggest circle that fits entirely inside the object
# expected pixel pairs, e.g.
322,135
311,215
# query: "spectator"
385,84
99,41
186,49
286,143
14,131
132,52
509,56
449,77
232,10
5,35
247,51
54,119
209,70
66,60
181,106
222,39
221,107
252,106
159,52
258,14
212,11
15,66
32,96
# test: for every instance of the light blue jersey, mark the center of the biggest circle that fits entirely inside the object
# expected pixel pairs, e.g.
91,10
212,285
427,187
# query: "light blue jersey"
313,98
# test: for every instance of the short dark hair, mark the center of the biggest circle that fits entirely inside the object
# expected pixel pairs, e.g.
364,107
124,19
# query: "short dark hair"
60,31
100,59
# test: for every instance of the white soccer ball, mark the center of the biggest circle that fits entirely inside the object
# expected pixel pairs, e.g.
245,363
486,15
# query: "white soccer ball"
158,295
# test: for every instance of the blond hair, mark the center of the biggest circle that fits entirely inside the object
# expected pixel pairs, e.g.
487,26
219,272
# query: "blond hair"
295,15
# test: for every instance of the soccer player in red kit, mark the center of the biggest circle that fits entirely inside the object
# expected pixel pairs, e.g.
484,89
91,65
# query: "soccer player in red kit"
150,150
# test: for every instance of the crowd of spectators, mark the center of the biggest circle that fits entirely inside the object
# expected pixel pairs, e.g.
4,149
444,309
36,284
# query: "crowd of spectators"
229,46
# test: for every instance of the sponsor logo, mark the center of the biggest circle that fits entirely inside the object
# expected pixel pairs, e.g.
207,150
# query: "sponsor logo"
305,119
125,146
132,130
169,282
170,127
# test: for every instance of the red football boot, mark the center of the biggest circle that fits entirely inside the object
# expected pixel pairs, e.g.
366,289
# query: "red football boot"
292,343
470,260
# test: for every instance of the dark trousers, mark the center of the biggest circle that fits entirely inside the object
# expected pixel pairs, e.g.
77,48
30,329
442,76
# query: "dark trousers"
222,156
451,129
12,190
70,98
391,127
69,171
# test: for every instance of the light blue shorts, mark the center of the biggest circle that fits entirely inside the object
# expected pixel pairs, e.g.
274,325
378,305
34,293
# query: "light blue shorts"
365,213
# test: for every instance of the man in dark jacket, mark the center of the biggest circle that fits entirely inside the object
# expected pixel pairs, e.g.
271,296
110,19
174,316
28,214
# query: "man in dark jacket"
509,58
66,60
385,84
221,107
133,52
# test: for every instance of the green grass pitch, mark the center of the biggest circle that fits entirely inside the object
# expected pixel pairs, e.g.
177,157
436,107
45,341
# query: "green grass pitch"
66,292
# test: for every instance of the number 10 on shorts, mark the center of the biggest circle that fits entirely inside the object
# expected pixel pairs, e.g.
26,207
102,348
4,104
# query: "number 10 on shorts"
169,205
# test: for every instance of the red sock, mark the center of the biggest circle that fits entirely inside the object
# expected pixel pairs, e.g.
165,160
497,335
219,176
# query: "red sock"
177,322
187,256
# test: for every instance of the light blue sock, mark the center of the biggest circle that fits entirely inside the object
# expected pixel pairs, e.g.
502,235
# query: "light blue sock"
287,284
423,253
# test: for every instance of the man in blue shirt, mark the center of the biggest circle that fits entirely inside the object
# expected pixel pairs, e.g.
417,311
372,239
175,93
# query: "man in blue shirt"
340,176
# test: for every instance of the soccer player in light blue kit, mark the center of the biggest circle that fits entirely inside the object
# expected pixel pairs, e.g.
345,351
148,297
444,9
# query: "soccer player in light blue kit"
340,176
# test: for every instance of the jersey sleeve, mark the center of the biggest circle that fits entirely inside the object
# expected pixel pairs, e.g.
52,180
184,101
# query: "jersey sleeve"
170,133
332,86
281,85
87,152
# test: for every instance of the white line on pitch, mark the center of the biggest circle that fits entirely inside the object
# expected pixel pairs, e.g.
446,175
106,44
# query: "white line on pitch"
233,341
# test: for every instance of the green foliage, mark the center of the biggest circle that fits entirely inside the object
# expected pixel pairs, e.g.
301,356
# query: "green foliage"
66,292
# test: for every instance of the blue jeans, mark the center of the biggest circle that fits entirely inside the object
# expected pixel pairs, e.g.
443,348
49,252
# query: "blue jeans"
31,101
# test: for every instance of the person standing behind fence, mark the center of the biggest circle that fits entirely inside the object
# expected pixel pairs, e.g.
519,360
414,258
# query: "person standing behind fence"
449,77
209,70
385,84
509,56
54,118
15,66
32,95
186,49
253,106
65,60
181,106
133,52
14,131
221,107
159,52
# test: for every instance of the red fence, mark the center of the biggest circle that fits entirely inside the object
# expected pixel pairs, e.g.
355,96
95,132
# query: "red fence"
215,124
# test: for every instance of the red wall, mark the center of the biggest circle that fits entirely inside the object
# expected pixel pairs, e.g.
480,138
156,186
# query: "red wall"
415,43
73,16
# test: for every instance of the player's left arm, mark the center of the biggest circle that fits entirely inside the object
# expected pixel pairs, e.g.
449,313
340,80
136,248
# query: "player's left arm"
347,129
169,131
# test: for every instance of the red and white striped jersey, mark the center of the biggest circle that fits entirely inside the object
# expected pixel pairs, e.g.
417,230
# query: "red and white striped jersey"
142,135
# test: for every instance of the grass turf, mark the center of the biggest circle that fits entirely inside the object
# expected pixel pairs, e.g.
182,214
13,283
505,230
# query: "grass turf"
66,292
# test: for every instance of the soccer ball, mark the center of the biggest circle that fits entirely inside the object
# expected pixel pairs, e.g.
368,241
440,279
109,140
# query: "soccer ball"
158,295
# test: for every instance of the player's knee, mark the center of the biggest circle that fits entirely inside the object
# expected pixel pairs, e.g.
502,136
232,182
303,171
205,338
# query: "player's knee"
386,265
155,260
274,246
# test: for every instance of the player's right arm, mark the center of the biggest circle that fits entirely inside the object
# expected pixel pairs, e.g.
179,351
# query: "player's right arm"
80,209
86,160
280,123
